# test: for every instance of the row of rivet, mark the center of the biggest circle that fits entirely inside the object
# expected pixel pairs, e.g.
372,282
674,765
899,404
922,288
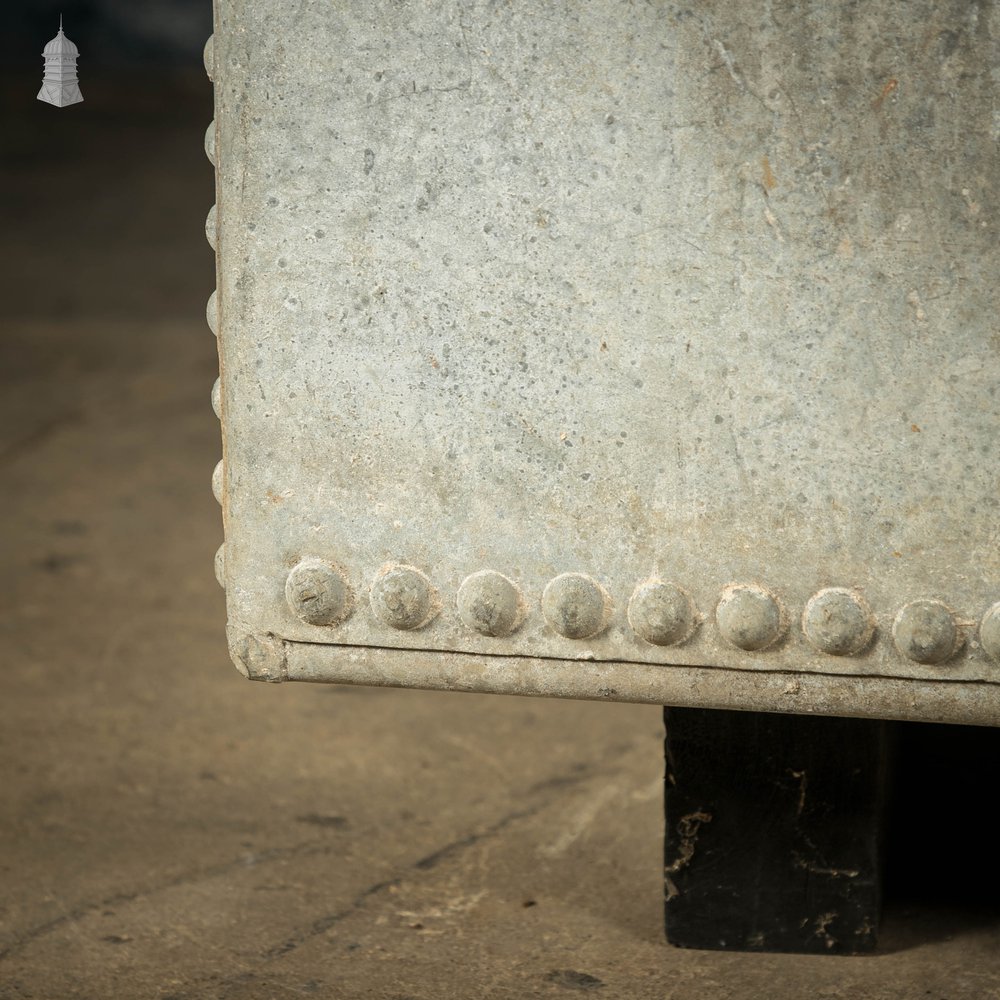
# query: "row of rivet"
836,620
211,308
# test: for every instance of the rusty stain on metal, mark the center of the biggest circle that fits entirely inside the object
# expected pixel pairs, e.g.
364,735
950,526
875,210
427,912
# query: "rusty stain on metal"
770,181
890,86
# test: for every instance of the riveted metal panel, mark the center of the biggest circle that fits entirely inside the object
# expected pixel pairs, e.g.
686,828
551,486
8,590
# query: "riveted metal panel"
658,336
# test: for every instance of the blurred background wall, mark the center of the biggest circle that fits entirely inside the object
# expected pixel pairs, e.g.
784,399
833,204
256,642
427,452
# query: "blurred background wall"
103,203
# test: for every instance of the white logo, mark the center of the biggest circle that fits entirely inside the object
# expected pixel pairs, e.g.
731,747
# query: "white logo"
59,86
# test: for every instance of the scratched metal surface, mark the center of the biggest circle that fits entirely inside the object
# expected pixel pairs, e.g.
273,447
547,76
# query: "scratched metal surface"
702,292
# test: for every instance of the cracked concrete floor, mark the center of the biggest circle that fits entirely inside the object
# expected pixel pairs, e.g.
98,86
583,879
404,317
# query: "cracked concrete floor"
168,829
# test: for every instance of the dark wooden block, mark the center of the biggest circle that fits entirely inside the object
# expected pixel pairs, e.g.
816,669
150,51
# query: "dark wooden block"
941,845
774,829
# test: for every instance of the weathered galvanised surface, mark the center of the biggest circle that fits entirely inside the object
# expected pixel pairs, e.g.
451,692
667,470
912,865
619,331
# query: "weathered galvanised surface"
644,352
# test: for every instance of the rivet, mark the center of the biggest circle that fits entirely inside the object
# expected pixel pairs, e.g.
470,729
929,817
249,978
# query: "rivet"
925,631
208,57
576,606
989,632
318,592
212,312
210,142
220,565
749,617
210,223
218,481
662,613
838,621
402,597
217,397
490,603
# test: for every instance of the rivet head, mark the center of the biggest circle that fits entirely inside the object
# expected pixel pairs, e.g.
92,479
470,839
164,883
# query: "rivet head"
217,397
318,592
210,142
402,597
576,606
208,57
838,621
749,617
989,632
210,223
220,565
490,603
212,313
925,631
218,481
662,613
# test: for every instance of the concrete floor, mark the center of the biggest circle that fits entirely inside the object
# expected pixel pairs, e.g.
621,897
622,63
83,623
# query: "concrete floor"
168,829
